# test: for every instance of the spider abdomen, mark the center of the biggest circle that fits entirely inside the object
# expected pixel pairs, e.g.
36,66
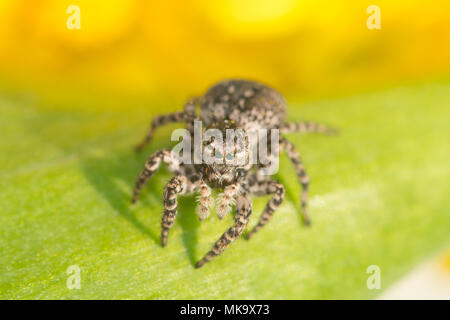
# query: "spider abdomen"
250,104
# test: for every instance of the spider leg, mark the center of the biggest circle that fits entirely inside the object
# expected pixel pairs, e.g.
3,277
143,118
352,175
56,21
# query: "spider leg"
243,212
307,127
176,186
264,188
187,115
301,174
204,199
227,199
151,166
158,122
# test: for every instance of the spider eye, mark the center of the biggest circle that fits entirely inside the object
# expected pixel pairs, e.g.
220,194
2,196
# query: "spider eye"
218,155
229,156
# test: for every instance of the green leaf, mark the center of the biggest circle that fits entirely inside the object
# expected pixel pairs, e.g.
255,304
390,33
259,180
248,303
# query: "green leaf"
379,196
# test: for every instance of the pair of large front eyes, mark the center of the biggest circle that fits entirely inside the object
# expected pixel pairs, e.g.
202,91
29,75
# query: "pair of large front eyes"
228,156
219,155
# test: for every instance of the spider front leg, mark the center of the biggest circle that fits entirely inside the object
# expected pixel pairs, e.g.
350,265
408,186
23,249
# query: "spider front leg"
264,188
204,199
151,166
176,186
187,115
301,174
227,199
243,212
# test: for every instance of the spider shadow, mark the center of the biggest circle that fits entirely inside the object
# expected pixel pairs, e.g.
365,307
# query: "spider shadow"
293,196
189,223
105,174
114,177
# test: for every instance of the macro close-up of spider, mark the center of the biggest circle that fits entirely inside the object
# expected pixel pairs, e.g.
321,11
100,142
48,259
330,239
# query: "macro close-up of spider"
143,139
229,105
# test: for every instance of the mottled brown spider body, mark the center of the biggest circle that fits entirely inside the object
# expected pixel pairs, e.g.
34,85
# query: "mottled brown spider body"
250,104
238,105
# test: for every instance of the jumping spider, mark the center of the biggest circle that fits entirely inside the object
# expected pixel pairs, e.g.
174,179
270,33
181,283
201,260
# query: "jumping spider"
230,104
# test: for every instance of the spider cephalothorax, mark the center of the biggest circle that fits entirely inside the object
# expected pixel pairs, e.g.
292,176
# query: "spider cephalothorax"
230,112
225,154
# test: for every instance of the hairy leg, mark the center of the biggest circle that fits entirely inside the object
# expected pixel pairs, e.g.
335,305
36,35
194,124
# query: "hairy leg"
243,212
176,186
187,115
204,199
151,166
264,188
301,174
227,199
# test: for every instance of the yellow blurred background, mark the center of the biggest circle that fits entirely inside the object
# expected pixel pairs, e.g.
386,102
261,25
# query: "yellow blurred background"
178,48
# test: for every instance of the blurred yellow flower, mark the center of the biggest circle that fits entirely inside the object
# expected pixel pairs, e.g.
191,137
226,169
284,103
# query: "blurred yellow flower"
302,47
